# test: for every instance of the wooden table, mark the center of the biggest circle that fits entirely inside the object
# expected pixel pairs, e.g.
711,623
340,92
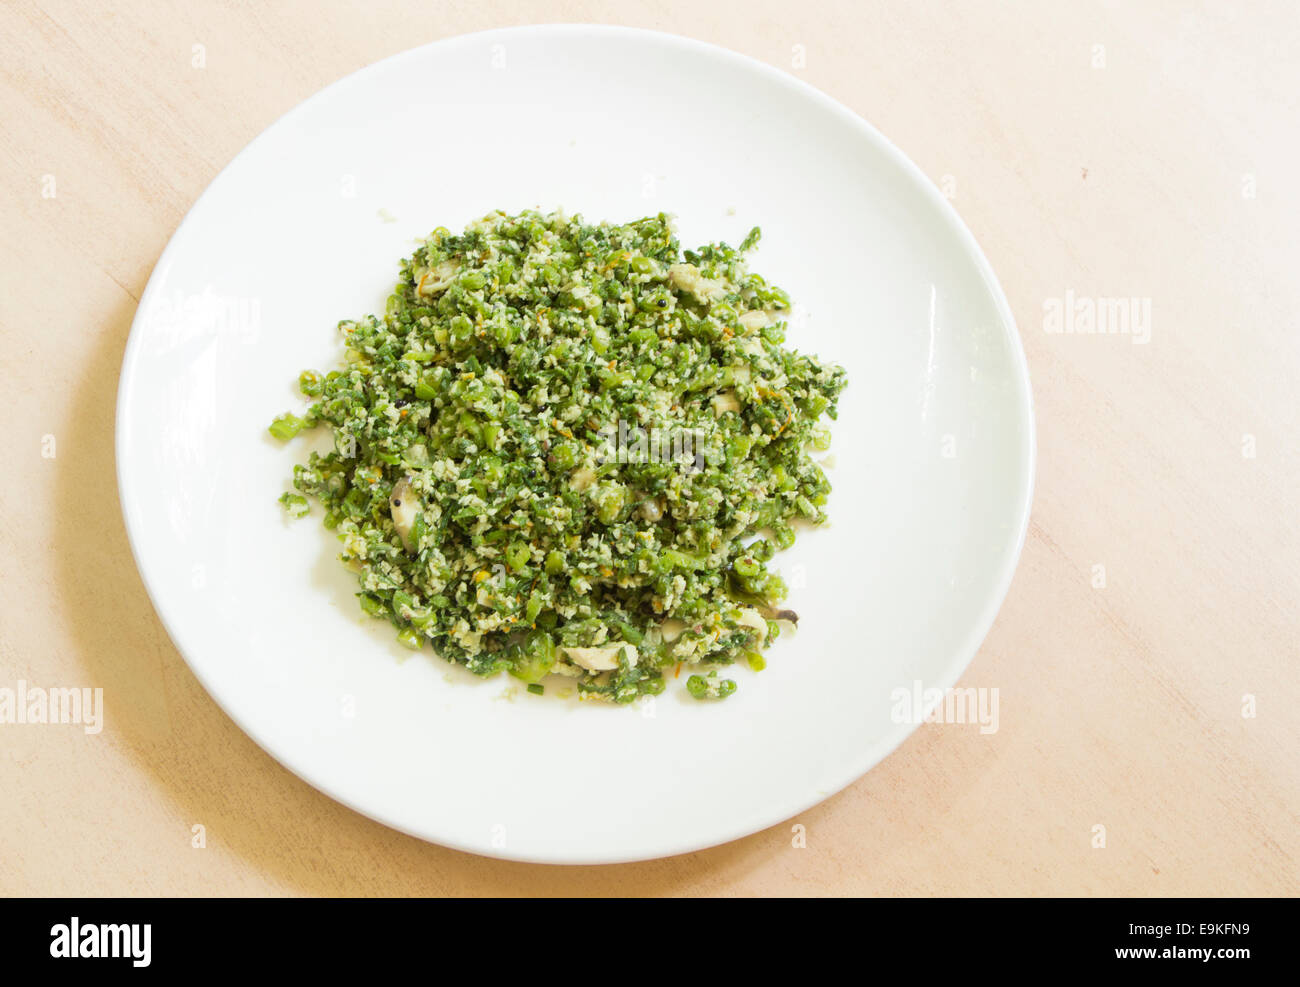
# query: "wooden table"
1141,152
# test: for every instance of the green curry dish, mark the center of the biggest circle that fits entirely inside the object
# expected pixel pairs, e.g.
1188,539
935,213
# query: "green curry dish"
572,449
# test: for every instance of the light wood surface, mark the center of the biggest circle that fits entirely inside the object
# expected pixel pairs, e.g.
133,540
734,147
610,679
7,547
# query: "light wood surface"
1143,151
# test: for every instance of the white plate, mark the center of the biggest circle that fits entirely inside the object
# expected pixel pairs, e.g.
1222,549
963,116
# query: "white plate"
934,445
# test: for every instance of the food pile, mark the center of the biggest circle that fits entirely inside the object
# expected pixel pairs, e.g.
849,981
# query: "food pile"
572,449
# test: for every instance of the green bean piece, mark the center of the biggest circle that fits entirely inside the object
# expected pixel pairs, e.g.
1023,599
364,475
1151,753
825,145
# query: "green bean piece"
286,426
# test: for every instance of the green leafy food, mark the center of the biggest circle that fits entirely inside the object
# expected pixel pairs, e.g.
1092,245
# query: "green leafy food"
572,449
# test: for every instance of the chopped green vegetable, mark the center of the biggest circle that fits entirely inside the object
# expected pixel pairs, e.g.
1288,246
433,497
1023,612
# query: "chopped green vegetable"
296,506
286,426
554,452
710,687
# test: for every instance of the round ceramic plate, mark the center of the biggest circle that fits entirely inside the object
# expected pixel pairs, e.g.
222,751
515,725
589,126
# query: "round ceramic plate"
933,450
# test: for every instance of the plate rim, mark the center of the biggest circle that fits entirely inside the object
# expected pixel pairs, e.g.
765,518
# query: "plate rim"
962,656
